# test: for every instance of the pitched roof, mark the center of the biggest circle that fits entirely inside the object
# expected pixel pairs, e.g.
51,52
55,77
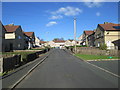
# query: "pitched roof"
11,28
71,40
58,41
29,34
42,42
88,32
117,42
110,26
80,37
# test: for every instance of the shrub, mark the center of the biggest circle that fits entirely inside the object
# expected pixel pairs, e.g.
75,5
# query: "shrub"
103,47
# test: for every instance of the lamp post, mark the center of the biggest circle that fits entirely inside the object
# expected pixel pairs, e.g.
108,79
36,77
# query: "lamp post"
75,33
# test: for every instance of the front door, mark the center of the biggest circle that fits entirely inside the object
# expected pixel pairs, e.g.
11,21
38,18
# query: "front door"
11,47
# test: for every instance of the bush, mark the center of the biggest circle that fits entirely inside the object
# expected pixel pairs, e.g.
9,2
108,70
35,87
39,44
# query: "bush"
103,47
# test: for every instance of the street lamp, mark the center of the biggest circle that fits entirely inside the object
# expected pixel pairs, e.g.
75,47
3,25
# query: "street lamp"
75,33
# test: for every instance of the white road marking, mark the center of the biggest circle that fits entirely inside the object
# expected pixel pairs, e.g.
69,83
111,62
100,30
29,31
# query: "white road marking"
99,67
13,86
104,69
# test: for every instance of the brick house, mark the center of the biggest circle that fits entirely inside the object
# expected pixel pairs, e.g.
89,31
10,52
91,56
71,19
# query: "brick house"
73,42
107,33
68,42
91,40
80,39
37,42
57,43
4,44
15,37
84,37
31,39
43,44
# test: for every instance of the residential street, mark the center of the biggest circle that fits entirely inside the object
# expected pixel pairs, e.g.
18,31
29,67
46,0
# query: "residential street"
63,70
59,44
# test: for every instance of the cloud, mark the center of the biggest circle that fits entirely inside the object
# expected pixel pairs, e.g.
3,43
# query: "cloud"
98,14
56,17
51,23
47,32
93,3
67,11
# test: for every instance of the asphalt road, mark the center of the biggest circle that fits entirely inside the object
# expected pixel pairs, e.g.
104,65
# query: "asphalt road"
63,70
109,65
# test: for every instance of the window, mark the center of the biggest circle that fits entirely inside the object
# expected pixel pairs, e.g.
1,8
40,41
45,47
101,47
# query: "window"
19,37
107,32
116,27
108,43
98,44
19,45
102,35
97,36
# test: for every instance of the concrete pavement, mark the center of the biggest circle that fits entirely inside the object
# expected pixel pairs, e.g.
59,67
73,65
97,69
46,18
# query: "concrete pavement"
63,70
12,78
110,65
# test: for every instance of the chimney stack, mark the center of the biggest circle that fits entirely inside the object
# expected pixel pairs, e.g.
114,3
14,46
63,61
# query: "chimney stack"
106,22
11,24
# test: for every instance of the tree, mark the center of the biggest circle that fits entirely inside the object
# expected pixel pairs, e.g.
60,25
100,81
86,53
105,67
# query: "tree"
58,39
70,39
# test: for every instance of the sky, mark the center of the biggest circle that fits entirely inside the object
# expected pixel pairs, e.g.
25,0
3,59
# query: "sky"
51,20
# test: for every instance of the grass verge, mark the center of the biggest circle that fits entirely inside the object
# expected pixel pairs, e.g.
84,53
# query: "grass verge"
94,57
5,73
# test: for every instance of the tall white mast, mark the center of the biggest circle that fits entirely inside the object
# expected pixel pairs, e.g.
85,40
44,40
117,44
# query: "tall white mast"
75,33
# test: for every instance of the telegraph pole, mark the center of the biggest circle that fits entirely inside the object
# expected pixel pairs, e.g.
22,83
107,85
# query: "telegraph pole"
75,33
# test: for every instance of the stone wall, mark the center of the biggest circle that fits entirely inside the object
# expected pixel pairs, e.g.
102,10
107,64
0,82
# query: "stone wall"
96,51
10,63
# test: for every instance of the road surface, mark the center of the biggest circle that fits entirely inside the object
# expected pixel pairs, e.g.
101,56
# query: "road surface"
110,65
63,70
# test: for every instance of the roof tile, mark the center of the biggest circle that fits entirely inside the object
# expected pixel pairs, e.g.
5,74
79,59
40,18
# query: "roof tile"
109,26
58,41
29,34
11,28
88,32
